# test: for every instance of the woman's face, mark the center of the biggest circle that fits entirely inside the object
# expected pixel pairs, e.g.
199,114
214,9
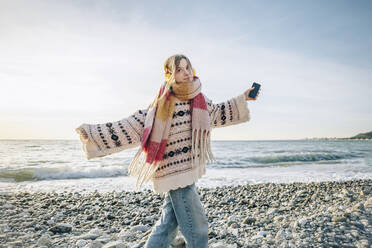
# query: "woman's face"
183,72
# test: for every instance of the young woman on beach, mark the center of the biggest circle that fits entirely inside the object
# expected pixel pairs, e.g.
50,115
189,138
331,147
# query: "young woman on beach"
174,138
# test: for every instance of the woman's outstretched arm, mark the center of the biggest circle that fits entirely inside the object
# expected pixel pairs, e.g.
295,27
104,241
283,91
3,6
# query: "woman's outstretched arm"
230,112
103,139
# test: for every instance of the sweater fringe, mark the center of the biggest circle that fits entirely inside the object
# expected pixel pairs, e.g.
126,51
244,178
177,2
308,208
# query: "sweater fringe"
200,146
141,169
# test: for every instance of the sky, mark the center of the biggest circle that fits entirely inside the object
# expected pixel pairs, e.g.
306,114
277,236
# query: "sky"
64,63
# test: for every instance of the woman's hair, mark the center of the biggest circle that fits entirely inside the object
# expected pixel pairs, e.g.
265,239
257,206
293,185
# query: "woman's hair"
170,66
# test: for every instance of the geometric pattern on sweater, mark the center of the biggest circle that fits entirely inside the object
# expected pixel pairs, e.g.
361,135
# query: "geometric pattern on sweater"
175,169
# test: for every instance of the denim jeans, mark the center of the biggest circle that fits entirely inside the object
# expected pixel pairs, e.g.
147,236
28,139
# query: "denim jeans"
181,209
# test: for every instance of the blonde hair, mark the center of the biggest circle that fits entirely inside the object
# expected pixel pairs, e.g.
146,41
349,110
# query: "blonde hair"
170,66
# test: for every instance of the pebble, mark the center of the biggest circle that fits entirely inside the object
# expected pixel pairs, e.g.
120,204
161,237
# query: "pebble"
140,228
179,241
321,214
115,244
61,228
44,240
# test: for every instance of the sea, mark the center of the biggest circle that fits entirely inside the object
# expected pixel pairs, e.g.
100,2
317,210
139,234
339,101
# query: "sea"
61,165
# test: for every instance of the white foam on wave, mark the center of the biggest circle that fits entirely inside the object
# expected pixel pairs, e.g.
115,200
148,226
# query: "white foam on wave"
81,172
56,173
305,173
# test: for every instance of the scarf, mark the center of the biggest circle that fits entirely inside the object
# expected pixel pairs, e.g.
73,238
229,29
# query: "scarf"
157,125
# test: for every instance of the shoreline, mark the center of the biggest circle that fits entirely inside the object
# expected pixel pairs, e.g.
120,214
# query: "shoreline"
287,172
330,213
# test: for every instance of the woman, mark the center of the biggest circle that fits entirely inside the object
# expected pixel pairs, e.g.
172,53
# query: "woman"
174,134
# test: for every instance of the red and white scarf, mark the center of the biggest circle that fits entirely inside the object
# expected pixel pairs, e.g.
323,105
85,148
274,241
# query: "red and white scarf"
157,125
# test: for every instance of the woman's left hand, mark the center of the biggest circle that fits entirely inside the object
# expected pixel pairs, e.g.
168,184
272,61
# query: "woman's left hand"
246,93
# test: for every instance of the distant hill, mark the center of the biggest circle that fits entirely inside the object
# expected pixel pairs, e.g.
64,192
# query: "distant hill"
362,136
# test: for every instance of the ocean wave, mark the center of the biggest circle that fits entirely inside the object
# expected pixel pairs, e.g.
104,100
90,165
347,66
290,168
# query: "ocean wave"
36,174
37,162
302,157
236,165
282,160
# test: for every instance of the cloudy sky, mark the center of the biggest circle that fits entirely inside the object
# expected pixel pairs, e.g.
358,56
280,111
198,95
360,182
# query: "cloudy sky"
63,63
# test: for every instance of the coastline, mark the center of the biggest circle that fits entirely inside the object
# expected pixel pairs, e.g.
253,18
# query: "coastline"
334,213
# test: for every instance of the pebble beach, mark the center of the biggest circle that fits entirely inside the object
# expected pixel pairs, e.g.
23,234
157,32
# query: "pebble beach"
316,214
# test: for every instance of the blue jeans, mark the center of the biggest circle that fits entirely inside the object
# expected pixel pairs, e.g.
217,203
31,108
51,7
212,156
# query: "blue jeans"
182,208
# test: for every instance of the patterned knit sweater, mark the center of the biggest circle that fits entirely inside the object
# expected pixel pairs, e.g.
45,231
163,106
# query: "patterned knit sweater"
175,170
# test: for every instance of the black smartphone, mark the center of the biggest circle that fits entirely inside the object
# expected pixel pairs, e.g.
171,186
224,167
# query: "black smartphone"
253,93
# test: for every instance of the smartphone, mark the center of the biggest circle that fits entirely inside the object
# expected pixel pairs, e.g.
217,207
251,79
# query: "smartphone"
253,93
